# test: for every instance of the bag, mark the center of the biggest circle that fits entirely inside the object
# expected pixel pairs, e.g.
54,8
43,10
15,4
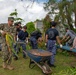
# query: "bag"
35,33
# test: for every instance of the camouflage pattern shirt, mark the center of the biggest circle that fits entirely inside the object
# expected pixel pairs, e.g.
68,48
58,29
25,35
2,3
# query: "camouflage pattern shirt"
9,29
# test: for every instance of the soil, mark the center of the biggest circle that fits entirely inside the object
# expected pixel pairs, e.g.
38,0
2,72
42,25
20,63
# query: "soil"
40,53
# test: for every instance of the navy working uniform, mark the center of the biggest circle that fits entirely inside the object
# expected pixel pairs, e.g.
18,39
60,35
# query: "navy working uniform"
51,47
33,39
22,37
16,45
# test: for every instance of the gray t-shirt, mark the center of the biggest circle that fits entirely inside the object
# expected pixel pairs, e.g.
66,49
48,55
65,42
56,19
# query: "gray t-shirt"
71,33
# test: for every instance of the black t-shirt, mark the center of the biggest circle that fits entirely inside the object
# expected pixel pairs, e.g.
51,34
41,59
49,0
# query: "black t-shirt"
52,33
18,30
22,35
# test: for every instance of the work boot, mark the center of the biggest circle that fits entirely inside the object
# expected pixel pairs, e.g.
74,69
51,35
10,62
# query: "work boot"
10,67
4,65
15,58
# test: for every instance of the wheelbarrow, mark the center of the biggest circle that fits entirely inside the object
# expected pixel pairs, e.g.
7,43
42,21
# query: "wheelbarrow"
39,57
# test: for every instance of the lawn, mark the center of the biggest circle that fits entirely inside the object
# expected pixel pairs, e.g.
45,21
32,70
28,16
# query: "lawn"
63,66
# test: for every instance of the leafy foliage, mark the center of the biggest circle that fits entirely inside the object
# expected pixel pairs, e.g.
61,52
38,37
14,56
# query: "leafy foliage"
63,10
46,22
15,15
30,27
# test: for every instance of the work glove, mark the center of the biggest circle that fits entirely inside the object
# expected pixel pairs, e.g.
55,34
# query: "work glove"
26,41
1,31
61,45
46,44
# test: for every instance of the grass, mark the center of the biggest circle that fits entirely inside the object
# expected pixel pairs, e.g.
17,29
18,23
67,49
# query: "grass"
63,66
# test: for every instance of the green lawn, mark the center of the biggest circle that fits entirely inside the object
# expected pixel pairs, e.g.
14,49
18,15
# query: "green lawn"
63,66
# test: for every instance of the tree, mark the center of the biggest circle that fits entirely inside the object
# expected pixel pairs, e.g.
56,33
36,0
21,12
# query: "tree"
46,22
15,15
30,27
63,10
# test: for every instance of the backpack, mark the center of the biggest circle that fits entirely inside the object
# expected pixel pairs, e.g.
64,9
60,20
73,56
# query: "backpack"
35,33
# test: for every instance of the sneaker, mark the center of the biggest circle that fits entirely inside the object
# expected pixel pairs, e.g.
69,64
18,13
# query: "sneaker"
15,58
51,65
24,57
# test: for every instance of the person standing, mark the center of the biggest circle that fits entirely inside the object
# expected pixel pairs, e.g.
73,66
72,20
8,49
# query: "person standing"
6,50
51,37
23,36
16,45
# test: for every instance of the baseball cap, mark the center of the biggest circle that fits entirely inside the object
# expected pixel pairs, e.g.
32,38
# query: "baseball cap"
11,18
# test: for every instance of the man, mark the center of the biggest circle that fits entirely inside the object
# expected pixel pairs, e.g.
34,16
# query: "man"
16,47
19,23
23,36
34,38
69,35
74,44
6,50
51,36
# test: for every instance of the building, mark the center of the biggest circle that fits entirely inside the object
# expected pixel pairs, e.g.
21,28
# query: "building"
61,30
39,25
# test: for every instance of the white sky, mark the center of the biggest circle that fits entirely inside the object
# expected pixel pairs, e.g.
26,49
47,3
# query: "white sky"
31,14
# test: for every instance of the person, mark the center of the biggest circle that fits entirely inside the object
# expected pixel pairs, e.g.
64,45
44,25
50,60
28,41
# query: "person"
6,50
16,47
33,39
69,35
51,36
19,23
23,36
18,27
74,44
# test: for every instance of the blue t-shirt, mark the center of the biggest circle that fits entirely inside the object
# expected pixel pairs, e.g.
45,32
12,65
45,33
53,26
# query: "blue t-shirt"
22,35
52,33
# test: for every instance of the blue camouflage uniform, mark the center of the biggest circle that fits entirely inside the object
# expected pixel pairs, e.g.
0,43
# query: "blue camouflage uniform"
33,42
51,47
33,39
22,37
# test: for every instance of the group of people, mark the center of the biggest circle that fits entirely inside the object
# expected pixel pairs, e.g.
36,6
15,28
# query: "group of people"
16,31
52,36
20,36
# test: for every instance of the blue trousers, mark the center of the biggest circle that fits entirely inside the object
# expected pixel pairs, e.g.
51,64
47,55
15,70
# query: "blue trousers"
51,48
33,42
23,45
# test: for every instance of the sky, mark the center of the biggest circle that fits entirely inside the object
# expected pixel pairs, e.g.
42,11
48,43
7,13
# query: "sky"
33,12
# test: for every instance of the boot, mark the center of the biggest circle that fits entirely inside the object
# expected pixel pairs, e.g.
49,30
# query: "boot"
4,65
10,67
